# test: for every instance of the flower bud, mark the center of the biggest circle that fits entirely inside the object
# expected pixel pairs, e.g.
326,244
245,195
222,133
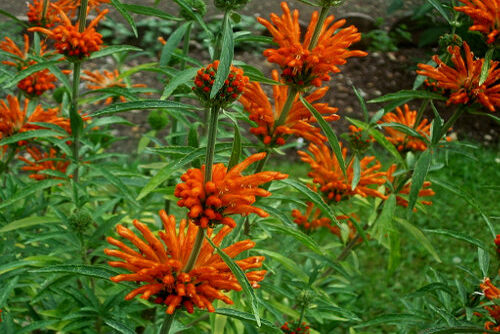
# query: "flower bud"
157,119
226,5
230,91
80,220
197,6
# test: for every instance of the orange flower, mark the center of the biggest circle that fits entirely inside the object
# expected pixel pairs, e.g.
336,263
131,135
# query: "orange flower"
485,15
491,292
228,193
296,328
44,161
326,172
302,65
106,79
359,139
401,140
69,41
13,119
35,12
230,91
37,83
72,5
161,266
298,121
462,82
404,190
312,220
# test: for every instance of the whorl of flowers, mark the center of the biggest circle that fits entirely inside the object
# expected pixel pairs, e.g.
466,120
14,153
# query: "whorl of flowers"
401,140
462,80
295,328
230,91
37,83
106,79
159,265
301,66
299,118
327,174
69,41
485,15
43,162
51,17
228,193
491,292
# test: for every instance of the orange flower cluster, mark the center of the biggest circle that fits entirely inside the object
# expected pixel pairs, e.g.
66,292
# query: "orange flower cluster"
160,266
69,41
462,82
404,191
35,13
359,139
106,79
298,121
230,91
37,83
401,140
228,193
296,328
43,162
485,15
491,292
326,172
13,119
303,64
312,220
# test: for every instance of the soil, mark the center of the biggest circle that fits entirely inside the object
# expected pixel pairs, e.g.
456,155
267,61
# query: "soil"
375,75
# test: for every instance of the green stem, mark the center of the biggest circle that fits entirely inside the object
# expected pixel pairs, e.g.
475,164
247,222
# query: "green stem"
45,7
262,163
212,137
82,15
302,312
167,323
5,166
317,30
75,117
286,108
420,113
195,251
451,121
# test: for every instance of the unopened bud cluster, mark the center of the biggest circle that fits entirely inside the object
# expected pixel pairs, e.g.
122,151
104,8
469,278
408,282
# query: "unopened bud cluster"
230,4
230,91
197,6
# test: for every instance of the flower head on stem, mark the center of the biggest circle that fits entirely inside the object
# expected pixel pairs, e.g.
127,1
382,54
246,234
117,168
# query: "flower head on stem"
485,15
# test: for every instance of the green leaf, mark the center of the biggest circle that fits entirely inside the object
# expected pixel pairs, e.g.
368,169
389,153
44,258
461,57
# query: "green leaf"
289,264
255,74
119,6
236,151
487,114
408,94
246,317
486,66
356,167
459,236
226,57
417,180
406,130
484,261
456,329
439,7
28,191
172,43
112,49
127,193
362,103
119,326
142,105
380,138
314,197
78,269
328,131
197,17
242,279
28,222
421,238
393,319
13,17
297,235
430,288
29,71
149,11
6,289
178,79
468,198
